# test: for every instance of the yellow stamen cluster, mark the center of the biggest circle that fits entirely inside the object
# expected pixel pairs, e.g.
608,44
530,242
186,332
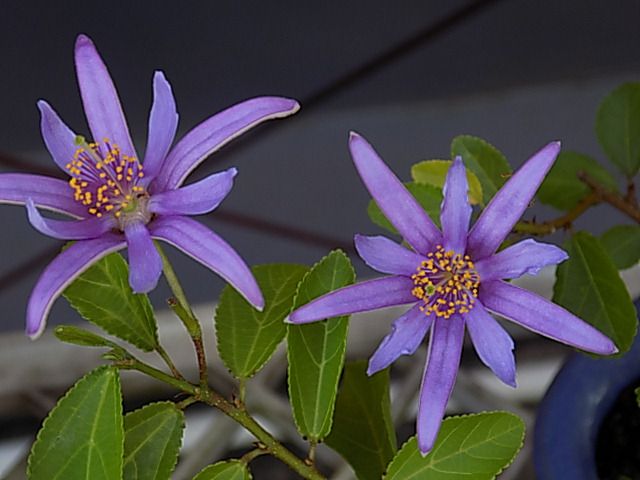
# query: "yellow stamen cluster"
103,178
447,283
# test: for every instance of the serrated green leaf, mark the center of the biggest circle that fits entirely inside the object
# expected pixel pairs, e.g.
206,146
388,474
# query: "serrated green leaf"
227,470
362,428
563,189
82,437
428,196
80,336
474,447
623,244
618,127
246,337
316,351
103,296
483,159
152,438
589,285
434,172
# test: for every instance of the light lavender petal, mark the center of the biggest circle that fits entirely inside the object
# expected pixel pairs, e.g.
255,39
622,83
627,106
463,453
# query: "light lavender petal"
407,333
527,256
163,123
99,97
443,360
395,201
361,297
46,192
213,252
216,132
59,139
145,264
196,198
508,205
493,344
65,268
387,256
456,211
546,318
69,230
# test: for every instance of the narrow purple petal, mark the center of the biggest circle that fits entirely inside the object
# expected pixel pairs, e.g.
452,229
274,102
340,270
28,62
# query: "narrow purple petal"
46,192
361,297
216,132
527,256
493,344
163,123
99,97
544,317
65,268
508,205
387,256
456,211
195,199
213,252
407,333
443,360
395,201
145,264
69,230
59,139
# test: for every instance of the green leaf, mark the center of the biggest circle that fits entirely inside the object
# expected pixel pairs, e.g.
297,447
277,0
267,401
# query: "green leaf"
103,296
589,285
316,351
428,196
227,470
618,127
153,435
474,447
434,172
563,189
623,244
483,159
362,428
246,337
637,392
82,437
80,336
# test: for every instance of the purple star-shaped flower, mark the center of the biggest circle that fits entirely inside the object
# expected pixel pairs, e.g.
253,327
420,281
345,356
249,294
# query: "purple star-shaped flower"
455,278
118,201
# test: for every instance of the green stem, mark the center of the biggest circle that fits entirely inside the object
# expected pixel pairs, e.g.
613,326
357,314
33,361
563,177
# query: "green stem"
135,364
249,456
167,359
172,279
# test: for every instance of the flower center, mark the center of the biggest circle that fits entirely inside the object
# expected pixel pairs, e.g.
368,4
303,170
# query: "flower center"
446,282
106,181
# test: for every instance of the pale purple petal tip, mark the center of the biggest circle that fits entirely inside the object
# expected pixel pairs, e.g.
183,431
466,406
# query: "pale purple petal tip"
58,138
145,264
68,230
456,211
387,256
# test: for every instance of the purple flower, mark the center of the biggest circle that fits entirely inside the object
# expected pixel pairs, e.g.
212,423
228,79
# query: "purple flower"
117,201
454,278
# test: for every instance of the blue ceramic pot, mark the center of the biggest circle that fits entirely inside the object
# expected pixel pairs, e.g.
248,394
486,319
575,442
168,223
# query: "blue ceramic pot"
570,415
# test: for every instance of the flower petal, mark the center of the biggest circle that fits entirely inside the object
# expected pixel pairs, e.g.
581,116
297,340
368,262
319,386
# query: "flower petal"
213,252
456,211
527,256
216,132
68,230
196,198
163,123
443,360
397,204
46,192
493,344
361,297
508,205
145,264
59,139
544,317
99,97
387,256
65,268
407,333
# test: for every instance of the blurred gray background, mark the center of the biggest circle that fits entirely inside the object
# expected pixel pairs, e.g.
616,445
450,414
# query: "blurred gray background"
408,75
